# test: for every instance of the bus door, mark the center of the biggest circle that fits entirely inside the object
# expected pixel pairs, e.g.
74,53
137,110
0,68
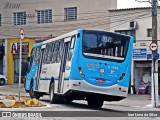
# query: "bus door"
66,47
40,66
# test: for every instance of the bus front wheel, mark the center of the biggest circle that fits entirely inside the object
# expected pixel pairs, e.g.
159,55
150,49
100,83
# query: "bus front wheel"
32,93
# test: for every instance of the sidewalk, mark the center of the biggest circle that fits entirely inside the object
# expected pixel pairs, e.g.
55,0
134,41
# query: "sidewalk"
142,101
12,90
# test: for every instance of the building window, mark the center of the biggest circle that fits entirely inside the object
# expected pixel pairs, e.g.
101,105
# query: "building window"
70,13
127,32
44,16
19,18
0,20
149,32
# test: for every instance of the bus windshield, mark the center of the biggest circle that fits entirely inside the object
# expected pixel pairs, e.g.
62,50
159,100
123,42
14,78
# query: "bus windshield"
105,45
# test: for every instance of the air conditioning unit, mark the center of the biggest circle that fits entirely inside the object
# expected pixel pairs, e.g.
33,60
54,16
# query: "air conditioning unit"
133,25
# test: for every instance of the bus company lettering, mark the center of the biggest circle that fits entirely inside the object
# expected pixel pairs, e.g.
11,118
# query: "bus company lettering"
113,67
92,65
113,70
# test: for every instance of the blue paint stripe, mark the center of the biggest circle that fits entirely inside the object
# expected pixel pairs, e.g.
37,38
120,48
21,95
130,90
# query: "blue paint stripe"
66,78
45,78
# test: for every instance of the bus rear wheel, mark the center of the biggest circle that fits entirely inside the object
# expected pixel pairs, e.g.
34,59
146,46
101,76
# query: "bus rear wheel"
95,103
32,93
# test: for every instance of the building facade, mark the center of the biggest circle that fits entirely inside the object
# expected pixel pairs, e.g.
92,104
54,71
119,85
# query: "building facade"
137,22
42,20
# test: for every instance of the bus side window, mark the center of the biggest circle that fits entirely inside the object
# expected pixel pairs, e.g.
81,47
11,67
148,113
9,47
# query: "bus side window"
44,55
53,59
51,52
57,52
73,42
37,55
31,60
48,53
70,53
61,49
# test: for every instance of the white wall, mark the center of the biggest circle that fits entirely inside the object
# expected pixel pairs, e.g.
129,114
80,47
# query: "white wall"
95,17
120,20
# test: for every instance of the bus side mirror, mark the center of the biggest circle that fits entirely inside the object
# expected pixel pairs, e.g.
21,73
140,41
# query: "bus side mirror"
28,59
78,35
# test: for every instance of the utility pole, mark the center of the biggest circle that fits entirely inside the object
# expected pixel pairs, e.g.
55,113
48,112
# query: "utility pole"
154,83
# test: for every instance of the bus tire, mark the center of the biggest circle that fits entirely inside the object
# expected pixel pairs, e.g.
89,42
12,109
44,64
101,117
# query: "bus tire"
32,93
27,91
68,100
95,103
52,97
2,81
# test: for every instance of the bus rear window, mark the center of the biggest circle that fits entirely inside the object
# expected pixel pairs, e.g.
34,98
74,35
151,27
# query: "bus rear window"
105,45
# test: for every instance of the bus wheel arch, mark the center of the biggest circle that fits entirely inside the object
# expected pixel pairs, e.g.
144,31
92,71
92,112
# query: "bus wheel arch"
52,81
52,96
31,91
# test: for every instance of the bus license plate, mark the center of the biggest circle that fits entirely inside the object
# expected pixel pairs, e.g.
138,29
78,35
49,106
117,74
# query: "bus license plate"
100,80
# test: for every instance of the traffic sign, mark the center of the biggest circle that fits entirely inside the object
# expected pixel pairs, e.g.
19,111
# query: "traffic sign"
153,47
22,34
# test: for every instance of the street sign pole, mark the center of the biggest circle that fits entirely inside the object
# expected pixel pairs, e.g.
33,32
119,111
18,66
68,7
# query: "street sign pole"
154,83
20,60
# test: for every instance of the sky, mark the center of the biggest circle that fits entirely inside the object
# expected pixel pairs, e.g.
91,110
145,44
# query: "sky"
132,4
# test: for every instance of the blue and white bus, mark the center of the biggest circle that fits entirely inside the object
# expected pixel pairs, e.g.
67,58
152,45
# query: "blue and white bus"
86,65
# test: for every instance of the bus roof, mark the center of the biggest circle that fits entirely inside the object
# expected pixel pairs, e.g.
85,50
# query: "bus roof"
37,44
71,34
62,36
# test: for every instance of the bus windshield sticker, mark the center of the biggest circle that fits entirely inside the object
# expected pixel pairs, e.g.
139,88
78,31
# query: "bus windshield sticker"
106,39
113,70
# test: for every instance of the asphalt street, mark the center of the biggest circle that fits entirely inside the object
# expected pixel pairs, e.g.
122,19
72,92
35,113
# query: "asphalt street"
139,101
78,109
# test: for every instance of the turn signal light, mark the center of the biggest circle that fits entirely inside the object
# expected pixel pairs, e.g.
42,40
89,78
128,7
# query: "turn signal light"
79,68
80,72
121,78
123,74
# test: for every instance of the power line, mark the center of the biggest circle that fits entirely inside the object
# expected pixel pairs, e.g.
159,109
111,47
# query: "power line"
78,24
138,17
92,13
84,19
91,22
